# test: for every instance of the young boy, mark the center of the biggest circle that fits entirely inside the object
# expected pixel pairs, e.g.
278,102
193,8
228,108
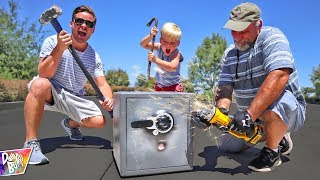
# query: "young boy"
168,57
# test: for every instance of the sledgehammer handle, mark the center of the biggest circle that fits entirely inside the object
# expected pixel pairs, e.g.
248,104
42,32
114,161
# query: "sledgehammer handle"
86,73
55,23
89,77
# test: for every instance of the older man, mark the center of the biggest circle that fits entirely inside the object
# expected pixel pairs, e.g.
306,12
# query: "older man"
259,70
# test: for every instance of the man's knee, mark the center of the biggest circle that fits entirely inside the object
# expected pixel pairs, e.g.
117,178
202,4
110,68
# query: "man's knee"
40,86
101,122
95,122
270,115
232,144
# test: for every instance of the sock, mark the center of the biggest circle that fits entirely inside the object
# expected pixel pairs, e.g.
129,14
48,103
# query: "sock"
67,123
275,150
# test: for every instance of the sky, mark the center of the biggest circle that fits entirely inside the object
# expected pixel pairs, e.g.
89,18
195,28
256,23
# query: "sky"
122,24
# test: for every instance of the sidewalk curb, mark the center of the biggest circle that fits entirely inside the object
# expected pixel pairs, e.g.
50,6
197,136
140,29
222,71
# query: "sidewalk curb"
11,105
19,104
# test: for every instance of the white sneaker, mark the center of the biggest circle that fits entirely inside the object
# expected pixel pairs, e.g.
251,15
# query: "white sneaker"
36,157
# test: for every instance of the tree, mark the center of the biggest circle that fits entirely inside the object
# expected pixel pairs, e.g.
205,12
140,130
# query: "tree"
19,44
204,69
143,82
315,79
187,86
117,77
307,92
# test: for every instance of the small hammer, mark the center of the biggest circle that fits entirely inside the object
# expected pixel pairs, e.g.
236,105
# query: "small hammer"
50,15
153,39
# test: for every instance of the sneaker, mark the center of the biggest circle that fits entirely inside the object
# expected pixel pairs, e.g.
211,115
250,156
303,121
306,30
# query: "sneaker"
36,157
74,133
266,160
286,144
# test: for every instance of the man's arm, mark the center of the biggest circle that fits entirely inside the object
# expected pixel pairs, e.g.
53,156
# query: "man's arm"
103,86
223,97
270,90
106,91
49,64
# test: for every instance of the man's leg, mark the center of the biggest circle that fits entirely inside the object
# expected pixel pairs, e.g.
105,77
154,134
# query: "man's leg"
72,127
232,144
82,113
39,93
284,115
93,122
269,157
274,129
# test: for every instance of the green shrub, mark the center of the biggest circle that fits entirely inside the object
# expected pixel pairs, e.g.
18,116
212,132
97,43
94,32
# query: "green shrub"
4,95
13,90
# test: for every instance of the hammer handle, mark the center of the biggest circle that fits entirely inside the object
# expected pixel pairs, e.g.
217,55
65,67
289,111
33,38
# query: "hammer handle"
89,77
152,46
149,63
86,73
55,23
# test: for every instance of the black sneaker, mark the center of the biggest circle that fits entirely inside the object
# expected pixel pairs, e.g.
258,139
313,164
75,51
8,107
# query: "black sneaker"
266,160
286,144
74,133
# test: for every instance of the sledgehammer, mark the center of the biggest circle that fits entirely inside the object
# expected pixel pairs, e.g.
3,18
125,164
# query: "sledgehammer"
50,15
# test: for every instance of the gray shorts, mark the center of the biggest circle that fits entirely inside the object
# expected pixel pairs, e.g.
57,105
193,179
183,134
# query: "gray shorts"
77,108
289,110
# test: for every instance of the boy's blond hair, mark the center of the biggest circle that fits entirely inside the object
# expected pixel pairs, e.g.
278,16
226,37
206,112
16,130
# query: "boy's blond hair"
171,30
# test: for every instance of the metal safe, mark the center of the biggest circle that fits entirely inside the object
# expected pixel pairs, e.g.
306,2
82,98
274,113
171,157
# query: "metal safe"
152,132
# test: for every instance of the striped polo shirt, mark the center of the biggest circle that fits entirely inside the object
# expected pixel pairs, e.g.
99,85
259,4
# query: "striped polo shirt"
68,75
165,78
247,70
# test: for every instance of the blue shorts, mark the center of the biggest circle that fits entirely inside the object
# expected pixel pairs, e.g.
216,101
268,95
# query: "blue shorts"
289,110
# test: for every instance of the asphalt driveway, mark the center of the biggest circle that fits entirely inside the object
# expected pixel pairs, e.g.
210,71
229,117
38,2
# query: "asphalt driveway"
93,158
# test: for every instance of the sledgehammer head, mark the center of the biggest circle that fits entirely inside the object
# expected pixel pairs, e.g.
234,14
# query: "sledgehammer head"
50,14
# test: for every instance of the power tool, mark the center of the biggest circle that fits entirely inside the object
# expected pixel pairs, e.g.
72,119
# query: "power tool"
203,119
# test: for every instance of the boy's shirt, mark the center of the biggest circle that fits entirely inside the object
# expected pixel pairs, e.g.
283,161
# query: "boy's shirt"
165,78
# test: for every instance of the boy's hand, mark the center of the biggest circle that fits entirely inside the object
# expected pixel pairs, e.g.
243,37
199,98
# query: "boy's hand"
152,57
153,31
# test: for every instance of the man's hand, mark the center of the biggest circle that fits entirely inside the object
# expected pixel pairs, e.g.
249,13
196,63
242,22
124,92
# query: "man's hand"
64,40
242,123
201,118
107,104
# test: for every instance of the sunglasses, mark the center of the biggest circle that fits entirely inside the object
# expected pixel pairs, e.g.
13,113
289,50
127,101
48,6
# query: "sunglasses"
250,70
80,21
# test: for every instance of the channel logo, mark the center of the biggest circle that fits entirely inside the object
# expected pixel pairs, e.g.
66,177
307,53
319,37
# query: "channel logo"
14,162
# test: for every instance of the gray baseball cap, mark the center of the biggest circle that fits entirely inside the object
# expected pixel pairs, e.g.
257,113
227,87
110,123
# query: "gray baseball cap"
242,16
